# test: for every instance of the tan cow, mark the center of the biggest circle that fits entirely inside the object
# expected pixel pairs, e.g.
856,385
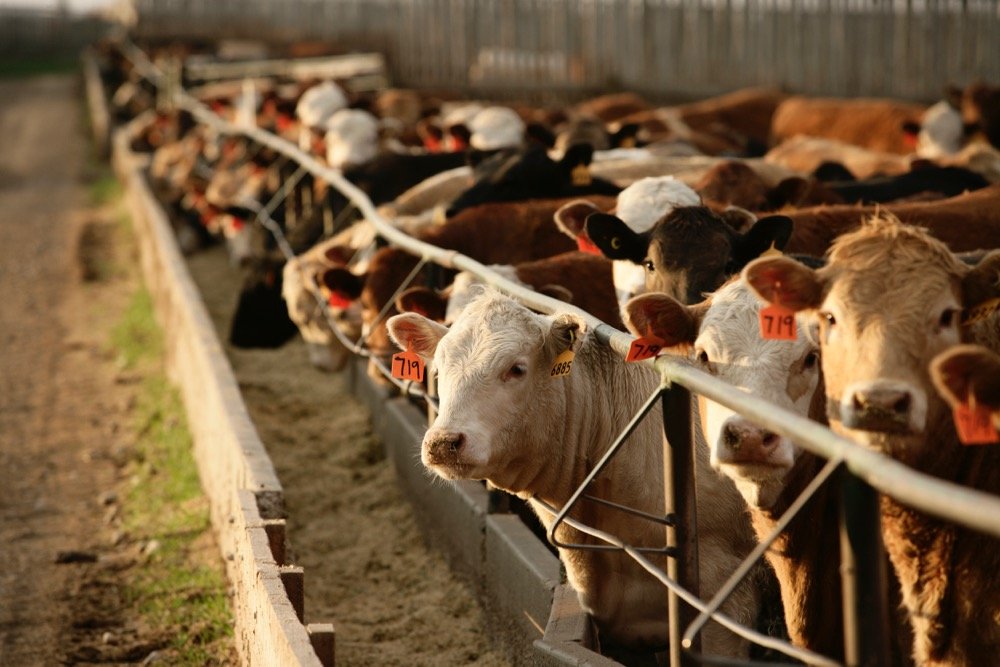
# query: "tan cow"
890,298
871,123
504,418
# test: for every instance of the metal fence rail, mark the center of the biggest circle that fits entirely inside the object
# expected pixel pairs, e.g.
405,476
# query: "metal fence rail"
666,49
954,503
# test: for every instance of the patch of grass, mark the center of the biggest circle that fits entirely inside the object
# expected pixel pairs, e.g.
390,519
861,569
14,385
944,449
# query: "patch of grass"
21,68
176,589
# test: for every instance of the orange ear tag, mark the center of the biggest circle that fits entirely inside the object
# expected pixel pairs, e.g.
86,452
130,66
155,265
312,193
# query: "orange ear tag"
777,322
584,244
408,365
581,176
974,425
644,347
338,300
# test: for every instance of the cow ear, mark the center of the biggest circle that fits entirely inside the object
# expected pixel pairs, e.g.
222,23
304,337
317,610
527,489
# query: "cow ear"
911,128
953,96
982,282
338,255
615,239
576,155
784,281
664,317
556,292
772,231
416,332
342,282
626,135
966,371
738,218
565,333
423,301
571,218
461,134
832,172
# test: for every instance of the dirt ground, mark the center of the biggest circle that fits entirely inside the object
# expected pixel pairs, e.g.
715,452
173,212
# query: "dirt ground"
65,404
392,601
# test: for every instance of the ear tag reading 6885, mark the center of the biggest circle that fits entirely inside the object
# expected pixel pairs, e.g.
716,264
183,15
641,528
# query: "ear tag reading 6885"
974,424
563,364
408,365
777,322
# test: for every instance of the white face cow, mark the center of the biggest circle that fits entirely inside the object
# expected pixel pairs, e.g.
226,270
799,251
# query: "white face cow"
494,381
722,335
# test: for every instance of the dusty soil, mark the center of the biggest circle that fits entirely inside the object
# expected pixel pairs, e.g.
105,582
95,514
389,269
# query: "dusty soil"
65,404
392,601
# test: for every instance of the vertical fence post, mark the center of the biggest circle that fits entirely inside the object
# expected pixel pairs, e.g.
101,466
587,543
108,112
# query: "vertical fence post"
863,575
679,497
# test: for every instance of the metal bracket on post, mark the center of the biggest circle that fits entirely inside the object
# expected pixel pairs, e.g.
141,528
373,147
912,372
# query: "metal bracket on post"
679,497
863,575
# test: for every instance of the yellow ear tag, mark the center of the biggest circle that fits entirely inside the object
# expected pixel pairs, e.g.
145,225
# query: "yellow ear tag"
581,175
981,312
772,252
563,364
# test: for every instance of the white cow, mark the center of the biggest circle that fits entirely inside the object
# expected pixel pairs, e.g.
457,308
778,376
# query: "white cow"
503,418
721,335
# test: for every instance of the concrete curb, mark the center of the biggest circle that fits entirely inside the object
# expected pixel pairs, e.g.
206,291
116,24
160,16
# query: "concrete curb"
246,498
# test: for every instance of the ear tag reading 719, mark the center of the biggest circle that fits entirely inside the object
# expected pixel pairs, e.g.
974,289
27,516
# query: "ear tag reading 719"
644,347
408,365
974,424
563,364
777,322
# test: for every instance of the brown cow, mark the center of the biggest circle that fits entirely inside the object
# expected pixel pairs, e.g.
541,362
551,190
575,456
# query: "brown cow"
889,299
872,123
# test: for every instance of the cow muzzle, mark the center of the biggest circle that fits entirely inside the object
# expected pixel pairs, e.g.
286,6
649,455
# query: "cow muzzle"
881,406
443,448
742,442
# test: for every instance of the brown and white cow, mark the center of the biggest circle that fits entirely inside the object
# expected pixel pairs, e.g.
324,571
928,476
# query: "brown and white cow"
720,335
877,124
890,298
504,418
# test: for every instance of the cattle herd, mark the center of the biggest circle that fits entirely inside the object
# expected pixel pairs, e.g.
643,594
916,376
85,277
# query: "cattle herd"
867,226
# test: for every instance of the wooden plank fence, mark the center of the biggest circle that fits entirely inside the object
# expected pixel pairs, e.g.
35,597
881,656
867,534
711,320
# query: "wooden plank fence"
668,49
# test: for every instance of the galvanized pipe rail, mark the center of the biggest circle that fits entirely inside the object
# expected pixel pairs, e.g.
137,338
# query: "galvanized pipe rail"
945,500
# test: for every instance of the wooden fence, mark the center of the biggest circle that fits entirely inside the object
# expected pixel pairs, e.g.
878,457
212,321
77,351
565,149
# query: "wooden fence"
668,49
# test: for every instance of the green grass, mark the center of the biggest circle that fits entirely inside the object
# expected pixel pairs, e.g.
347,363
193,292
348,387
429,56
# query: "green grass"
165,503
18,68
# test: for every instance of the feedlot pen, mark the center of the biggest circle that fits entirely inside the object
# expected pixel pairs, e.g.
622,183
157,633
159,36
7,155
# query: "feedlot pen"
930,495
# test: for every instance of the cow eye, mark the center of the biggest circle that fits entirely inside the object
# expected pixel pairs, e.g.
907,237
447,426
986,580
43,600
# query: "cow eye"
811,359
515,371
648,263
947,318
702,356
828,318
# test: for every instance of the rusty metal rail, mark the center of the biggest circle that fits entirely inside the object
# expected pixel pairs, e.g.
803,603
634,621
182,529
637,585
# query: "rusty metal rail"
954,503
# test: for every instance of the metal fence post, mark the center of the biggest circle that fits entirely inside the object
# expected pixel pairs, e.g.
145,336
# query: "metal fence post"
863,575
679,497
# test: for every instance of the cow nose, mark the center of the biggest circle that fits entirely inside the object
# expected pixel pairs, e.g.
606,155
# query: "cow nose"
445,445
742,436
879,407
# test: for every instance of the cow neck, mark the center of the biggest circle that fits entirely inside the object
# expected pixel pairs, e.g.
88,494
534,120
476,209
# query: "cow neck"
601,396
806,560
925,551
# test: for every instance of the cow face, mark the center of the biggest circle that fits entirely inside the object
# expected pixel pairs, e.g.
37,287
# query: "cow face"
690,252
969,374
889,300
532,174
721,336
496,392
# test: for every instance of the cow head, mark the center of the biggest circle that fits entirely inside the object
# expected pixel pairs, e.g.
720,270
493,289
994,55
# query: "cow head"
531,174
890,298
496,392
689,252
720,336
